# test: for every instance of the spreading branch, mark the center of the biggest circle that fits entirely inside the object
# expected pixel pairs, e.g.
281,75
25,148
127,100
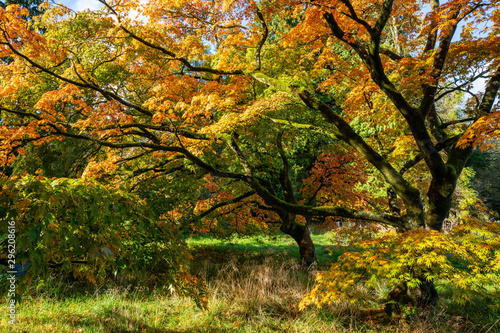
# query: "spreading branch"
226,203
265,33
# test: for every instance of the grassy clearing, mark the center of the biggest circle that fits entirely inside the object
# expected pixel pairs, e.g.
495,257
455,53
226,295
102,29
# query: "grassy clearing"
254,285
259,247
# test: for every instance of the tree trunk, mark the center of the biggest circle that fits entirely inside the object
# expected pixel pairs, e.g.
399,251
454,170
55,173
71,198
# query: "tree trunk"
302,236
425,295
441,189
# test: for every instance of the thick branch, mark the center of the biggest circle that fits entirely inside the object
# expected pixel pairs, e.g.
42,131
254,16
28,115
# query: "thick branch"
21,113
401,186
353,16
370,55
265,33
384,16
440,146
285,173
430,89
432,36
335,28
325,211
243,160
158,147
391,54
181,132
352,13
490,93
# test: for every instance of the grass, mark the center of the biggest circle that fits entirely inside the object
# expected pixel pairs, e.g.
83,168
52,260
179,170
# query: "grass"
259,247
254,285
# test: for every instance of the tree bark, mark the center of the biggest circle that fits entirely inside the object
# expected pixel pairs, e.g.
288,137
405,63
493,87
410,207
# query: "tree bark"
300,233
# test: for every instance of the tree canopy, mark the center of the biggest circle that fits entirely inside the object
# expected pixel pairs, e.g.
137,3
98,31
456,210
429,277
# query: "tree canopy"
290,110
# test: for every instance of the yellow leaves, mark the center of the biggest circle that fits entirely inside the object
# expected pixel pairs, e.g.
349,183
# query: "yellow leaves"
175,214
468,257
307,30
227,4
190,47
18,33
162,117
66,94
44,5
11,87
252,113
125,6
201,106
17,9
485,128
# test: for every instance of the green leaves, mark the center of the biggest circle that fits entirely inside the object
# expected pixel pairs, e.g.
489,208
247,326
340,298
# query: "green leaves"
86,229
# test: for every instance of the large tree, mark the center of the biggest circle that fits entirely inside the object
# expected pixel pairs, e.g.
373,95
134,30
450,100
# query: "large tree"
211,86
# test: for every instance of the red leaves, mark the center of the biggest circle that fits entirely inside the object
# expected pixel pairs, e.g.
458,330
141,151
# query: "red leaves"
333,179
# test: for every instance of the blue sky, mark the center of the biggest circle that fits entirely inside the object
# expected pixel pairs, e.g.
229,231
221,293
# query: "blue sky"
80,4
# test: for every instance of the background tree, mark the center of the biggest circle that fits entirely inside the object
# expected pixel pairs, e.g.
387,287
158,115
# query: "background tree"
486,176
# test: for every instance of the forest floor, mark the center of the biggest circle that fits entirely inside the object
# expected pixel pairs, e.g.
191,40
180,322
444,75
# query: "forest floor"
253,284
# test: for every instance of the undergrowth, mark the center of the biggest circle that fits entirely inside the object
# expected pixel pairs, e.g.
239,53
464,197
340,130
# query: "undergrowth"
253,285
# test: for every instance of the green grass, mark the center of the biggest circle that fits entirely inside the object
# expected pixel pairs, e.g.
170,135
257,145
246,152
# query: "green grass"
258,247
254,285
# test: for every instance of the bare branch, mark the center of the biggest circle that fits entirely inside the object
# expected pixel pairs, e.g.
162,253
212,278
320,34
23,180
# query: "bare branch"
454,122
225,203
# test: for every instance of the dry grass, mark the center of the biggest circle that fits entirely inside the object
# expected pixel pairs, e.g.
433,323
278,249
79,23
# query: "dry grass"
249,291
271,287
